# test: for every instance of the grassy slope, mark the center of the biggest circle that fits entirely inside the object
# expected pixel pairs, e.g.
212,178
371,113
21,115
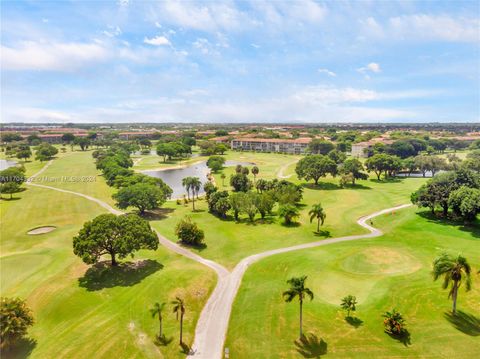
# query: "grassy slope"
228,242
391,271
74,320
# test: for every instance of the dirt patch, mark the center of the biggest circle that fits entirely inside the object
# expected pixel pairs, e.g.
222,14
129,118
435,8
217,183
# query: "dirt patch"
41,230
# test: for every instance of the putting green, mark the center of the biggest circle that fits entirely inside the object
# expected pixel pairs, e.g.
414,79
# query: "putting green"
381,260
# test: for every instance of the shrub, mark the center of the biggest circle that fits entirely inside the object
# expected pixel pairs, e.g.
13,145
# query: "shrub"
189,233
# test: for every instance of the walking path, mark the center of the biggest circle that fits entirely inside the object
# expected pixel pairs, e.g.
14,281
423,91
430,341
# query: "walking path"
281,171
212,325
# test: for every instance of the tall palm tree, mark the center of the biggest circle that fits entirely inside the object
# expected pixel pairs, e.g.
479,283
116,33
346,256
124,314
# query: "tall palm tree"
349,303
223,176
298,289
186,182
157,311
255,171
179,309
452,269
318,213
195,185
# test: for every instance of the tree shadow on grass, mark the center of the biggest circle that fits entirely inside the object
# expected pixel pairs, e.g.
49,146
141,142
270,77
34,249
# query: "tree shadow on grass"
22,349
326,186
186,349
310,346
354,321
199,247
403,337
158,214
356,186
472,228
163,340
291,224
464,322
322,233
103,275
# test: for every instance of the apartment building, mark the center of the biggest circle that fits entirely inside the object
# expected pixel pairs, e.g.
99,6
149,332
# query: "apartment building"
296,146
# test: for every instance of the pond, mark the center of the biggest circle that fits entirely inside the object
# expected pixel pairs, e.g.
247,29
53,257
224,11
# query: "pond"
173,177
4,164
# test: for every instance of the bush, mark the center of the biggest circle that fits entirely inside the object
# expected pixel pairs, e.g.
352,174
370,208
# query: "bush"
393,322
189,233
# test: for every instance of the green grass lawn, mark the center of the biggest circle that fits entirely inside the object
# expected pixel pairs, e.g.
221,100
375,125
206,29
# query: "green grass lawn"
228,242
392,271
86,313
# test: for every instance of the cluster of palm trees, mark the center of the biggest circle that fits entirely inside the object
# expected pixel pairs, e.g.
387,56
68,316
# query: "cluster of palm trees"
193,185
178,309
453,270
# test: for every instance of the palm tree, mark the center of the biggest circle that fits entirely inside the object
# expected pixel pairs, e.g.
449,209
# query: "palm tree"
223,176
452,270
179,309
318,213
394,322
157,311
297,289
349,304
195,185
255,171
186,182
288,212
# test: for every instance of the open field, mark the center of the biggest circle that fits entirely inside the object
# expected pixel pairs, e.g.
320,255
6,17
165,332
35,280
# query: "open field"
82,312
386,272
228,241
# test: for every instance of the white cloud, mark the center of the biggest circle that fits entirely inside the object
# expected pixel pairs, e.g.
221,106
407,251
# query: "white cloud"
158,25
157,41
255,46
424,27
113,31
203,45
372,67
53,56
328,72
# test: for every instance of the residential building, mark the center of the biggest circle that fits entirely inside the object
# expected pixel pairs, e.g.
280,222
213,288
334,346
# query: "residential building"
296,146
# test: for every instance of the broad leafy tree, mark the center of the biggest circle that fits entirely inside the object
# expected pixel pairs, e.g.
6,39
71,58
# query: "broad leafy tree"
314,167
11,180
15,319
45,152
465,202
320,147
143,196
354,167
298,290
240,182
454,271
116,236
215,163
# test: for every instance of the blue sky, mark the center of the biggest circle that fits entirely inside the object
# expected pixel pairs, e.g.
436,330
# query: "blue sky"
248,61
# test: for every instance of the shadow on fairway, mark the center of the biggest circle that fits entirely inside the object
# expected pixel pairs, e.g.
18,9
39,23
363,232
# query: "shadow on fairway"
158,214
403,337
354,321
22,349
326,186
163,340
464,322
322,233
103,275
310,346
186,349
437,218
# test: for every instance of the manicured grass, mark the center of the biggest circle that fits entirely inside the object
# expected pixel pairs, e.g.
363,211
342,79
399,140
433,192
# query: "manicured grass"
80,312
392,271
76,171
228,241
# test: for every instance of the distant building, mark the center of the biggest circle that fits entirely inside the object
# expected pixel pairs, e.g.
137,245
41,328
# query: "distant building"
55,138
134,135
296,146
221,139
361,149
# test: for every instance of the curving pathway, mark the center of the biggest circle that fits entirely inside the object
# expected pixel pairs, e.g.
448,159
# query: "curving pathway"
212,325
281,171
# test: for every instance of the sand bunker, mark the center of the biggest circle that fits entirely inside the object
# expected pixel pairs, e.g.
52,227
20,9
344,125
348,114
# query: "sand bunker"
41,230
